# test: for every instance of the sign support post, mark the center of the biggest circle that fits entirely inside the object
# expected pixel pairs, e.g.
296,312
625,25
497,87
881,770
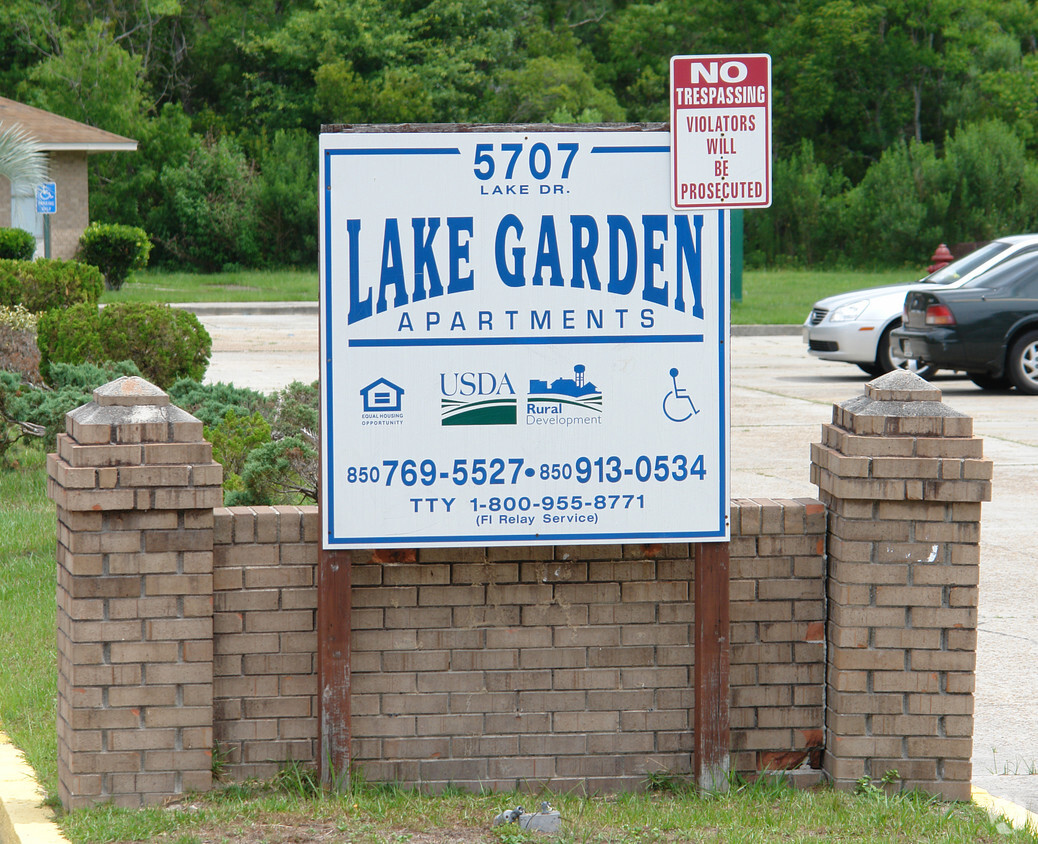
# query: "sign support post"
710,721
334,611
46,204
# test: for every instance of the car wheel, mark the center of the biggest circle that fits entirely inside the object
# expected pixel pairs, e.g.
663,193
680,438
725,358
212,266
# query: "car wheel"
889,357
870,369
1023,363
989,382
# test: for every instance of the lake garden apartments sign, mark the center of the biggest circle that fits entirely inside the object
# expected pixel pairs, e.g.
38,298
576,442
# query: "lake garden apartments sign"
522,342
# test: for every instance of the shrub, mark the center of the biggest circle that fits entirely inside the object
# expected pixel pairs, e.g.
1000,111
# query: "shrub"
233,440
18,350
68,336
210,402
48,283
898,210
802,226
166,343
17,244
12,428
287,198
40,413
114,250
293,410
279,471
209,216
993,181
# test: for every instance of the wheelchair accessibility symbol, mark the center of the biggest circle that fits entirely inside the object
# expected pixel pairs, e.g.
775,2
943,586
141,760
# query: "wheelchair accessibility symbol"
677,404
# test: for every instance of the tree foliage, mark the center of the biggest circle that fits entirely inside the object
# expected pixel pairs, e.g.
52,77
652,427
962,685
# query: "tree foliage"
226,101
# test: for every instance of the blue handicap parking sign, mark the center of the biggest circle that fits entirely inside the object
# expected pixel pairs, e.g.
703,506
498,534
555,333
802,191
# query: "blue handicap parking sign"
46,198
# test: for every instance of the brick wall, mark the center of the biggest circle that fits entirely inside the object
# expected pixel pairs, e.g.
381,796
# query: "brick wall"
852,625
68,170
134,485
515,667
265,666
903,478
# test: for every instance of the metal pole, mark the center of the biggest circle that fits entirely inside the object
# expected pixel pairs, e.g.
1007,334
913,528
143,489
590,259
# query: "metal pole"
736,250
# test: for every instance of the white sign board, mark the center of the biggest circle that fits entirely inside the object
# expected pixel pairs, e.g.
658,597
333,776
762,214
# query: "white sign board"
521,343
720,118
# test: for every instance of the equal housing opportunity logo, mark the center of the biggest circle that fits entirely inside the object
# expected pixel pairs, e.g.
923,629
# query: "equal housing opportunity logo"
383,403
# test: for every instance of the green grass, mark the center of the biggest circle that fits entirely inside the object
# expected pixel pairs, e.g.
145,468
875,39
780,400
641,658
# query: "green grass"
777,297
28,665
243,286
768,296
764,812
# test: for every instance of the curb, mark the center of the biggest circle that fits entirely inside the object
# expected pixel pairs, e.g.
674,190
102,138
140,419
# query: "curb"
767,330
1017,816
23,817
312,308
262,308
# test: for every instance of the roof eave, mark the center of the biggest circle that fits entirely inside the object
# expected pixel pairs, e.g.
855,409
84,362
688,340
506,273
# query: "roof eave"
111,146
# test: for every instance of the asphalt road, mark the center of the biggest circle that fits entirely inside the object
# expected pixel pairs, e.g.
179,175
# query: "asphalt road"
780,399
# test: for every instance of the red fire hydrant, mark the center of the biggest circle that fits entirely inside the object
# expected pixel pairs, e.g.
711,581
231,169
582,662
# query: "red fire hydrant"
940,258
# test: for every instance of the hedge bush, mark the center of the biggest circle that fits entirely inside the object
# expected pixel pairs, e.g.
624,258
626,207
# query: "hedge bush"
71,335
166,343
48,283
115,250
18,350
17,244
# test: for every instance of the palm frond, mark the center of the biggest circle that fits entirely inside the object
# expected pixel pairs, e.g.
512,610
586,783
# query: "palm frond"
22,159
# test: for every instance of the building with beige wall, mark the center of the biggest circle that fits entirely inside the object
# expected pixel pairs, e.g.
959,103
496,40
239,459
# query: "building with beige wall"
67,144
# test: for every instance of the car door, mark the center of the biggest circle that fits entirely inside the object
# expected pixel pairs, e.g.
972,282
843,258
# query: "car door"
993,309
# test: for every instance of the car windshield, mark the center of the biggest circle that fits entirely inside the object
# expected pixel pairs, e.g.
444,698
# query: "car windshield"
957,269
1008,272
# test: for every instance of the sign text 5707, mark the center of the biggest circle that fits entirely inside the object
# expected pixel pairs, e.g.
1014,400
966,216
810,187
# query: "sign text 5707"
538,161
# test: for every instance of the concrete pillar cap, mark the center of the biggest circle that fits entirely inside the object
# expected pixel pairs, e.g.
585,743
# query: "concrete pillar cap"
130,391
901,385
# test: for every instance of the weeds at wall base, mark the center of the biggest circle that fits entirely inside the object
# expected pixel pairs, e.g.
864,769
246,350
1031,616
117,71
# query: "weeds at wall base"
292,806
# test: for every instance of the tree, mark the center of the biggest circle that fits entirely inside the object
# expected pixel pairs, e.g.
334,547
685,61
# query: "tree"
22,161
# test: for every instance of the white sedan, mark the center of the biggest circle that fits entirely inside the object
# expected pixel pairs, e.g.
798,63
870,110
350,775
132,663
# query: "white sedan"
855,327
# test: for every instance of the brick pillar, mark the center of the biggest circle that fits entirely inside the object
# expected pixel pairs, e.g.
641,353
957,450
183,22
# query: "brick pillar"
903,478
135,486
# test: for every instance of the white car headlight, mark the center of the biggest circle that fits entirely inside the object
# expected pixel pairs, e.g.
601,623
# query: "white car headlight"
849,312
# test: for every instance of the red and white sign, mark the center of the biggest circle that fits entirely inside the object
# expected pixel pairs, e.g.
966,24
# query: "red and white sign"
720,125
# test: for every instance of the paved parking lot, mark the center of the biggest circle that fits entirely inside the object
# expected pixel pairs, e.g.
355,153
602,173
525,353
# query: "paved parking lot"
780,398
